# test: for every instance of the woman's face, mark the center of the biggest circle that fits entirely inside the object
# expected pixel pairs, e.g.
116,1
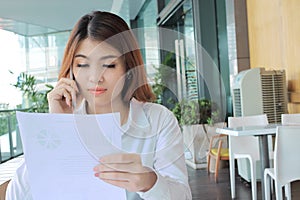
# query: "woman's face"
100,74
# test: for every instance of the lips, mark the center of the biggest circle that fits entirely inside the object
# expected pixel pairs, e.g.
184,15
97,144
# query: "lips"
97,91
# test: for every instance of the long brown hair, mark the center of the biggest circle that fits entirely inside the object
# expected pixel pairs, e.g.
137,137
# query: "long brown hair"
108,27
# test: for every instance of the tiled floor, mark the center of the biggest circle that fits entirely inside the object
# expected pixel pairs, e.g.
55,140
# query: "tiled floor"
202,185
7,169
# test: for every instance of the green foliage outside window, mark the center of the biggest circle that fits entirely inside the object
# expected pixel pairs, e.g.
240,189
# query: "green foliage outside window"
201,111
37,100
4,122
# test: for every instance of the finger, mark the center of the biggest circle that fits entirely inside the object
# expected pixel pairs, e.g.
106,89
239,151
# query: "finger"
73,93
70,86
57,94
73,89
67,97
120,158
131,182
67,81
74,85
62,90
117,176
128,167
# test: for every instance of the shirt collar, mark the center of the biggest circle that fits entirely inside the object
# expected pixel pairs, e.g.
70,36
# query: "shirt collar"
137,118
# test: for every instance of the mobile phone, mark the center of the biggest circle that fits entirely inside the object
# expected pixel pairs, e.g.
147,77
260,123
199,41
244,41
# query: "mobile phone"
73,98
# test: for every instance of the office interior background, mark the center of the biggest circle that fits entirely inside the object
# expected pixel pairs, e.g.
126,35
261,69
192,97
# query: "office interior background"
203,43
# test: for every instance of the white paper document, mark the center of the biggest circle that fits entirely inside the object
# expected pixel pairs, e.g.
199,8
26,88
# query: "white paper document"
61,151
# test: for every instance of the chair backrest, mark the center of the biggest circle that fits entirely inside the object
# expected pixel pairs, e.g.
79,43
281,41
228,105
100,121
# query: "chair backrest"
290,119
246,144
287,159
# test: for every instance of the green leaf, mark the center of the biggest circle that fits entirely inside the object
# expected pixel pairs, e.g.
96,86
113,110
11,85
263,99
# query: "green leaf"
27,83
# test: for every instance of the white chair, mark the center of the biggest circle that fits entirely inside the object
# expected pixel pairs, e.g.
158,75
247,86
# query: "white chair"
286,161
290,119
245,147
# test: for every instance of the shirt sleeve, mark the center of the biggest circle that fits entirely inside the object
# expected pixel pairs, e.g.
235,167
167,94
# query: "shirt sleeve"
18,187
169,165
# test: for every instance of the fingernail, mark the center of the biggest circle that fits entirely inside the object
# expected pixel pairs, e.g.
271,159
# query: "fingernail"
96,174
95,169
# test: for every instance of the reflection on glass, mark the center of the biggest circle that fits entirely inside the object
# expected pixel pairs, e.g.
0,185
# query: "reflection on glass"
178,51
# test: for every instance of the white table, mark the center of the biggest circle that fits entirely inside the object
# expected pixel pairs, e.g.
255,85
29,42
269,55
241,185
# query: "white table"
262,133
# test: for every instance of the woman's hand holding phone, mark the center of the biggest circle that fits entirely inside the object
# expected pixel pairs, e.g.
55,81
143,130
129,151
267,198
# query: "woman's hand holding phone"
62,99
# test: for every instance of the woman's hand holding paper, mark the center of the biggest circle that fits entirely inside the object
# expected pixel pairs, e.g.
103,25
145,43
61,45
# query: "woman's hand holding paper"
126,171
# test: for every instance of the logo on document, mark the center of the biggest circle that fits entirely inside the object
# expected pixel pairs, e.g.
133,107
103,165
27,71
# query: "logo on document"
48,140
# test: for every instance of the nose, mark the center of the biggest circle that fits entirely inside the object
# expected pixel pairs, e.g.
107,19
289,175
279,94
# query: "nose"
97,75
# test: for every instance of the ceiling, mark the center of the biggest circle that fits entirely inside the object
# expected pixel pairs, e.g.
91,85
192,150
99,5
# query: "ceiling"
35,17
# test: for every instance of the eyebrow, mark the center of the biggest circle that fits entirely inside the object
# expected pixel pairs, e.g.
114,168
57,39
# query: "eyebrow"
102,58
80,55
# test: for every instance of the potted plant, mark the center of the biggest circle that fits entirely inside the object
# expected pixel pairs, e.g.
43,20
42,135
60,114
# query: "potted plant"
198,120
33,99
163,81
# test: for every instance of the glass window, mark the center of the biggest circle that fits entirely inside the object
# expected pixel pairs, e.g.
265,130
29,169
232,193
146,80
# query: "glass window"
45,55
178,39
13,61
40,56
148,36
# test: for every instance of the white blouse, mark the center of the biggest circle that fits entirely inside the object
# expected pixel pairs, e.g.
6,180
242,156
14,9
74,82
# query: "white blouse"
152,131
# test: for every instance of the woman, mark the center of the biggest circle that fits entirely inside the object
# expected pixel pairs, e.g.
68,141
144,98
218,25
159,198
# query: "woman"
102,72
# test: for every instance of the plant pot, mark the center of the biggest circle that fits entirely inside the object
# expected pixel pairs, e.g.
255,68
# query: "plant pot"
196,141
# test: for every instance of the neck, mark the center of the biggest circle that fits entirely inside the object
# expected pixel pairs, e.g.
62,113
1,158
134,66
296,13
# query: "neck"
121,107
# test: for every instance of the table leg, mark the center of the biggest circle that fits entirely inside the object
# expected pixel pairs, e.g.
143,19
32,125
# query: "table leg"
264,159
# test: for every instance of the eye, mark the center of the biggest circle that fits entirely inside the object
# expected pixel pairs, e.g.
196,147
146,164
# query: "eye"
82,65
109,65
